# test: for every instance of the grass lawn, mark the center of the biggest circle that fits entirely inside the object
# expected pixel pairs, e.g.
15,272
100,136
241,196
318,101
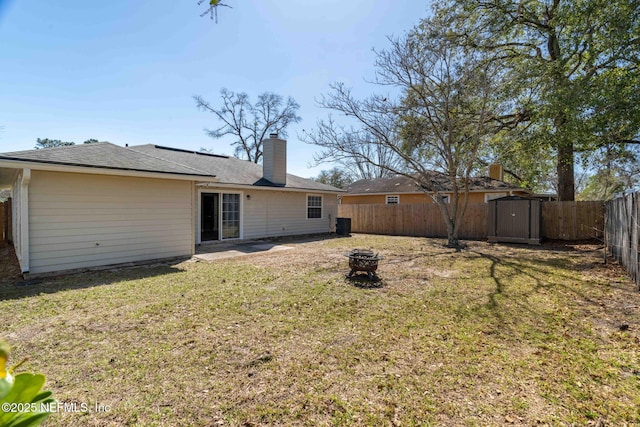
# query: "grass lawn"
493,335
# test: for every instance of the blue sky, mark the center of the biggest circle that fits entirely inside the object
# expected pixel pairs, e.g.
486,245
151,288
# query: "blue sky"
125,72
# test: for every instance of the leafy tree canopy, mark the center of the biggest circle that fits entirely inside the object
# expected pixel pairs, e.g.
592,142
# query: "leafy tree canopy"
572,72
51,143
212,8
336,177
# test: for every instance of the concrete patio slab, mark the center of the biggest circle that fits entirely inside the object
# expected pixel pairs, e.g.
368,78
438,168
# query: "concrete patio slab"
216,251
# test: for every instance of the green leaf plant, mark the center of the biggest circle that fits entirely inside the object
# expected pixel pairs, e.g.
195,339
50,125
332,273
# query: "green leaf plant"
23,403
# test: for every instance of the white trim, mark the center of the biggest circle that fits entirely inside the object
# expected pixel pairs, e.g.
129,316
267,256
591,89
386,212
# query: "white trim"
198,233
101,171
267,188
496,195
445,197
195,234
386,199
306,199
22,252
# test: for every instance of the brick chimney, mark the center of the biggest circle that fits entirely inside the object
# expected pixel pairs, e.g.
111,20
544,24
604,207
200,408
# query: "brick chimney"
496,172
274,160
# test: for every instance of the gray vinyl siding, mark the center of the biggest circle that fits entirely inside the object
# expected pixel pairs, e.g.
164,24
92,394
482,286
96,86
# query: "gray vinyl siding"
81,220
282,213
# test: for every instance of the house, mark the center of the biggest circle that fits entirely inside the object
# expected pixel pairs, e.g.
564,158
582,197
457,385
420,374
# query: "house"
400,189
101,204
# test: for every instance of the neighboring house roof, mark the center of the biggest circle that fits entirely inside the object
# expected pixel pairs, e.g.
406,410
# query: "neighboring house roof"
163,160
398,184
229,170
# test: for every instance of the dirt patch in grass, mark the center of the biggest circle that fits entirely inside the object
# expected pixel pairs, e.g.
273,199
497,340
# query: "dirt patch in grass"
492,335
9,267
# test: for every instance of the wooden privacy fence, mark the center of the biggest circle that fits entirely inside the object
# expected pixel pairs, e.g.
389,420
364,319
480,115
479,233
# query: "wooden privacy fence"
413,220
560,220
572,220
622,232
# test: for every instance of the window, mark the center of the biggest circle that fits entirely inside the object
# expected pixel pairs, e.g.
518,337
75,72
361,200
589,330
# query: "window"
314,207
393,200
491,196
447,199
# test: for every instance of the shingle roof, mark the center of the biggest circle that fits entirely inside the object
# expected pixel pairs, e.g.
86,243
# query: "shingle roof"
402,184
229,170
103,155
153,158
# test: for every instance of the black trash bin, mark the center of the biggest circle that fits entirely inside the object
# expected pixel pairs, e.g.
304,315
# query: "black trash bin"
343,226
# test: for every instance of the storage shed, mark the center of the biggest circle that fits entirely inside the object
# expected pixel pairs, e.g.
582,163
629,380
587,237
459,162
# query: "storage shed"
514,219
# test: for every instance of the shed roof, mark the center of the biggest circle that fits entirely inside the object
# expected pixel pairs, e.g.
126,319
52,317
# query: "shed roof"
402,184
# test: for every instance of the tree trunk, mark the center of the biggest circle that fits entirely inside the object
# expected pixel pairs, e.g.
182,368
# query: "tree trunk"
453,242
452,233
564,167
451,220
566,180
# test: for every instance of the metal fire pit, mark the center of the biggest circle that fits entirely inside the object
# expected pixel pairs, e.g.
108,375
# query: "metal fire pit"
363,260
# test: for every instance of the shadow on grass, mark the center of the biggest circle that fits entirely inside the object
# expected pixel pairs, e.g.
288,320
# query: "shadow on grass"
556,275
362,281
499,286
83,280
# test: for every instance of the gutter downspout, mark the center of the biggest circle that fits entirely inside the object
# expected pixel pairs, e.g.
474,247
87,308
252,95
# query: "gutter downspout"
24,220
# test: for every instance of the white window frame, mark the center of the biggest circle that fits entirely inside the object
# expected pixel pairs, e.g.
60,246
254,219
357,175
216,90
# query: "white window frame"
445,197
490,196
391,196
315,207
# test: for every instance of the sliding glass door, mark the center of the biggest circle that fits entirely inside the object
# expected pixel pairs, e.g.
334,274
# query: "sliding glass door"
230,216
219,216
209,217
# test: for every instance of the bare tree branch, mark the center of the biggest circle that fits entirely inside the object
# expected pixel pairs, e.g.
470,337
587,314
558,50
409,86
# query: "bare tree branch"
433,132
250,124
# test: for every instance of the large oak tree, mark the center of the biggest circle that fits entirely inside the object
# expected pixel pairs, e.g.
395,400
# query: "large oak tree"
574,68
